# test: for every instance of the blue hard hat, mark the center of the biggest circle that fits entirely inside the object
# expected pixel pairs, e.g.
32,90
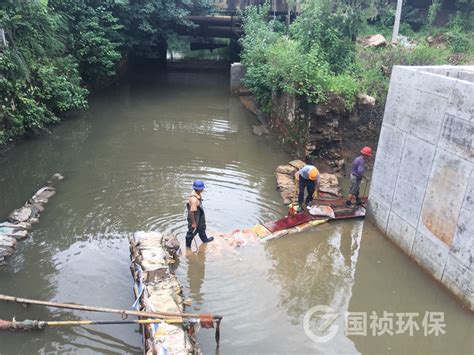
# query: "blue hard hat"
198,185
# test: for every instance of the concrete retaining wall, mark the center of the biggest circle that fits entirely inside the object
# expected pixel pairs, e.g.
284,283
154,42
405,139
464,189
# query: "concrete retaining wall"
237,73
422,191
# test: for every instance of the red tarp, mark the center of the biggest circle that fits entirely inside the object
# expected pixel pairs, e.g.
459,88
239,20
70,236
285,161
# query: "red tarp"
341,211
288,222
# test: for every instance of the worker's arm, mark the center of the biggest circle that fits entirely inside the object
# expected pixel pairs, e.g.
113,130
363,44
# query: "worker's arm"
316,189
193,219
193,206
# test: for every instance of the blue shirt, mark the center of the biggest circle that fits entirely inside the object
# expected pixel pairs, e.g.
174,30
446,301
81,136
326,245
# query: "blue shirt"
304,172
358,166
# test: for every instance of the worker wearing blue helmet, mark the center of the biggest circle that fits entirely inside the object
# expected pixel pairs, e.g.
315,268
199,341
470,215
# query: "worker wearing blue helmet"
196,216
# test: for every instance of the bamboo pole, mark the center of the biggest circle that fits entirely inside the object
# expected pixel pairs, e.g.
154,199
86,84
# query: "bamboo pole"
122,312
106,322
40,325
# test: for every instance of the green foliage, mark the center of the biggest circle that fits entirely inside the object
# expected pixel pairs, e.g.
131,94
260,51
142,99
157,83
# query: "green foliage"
433,12
460,42
55,47
374,65
460,34
335,35
93,35
148,23
39,80
311,60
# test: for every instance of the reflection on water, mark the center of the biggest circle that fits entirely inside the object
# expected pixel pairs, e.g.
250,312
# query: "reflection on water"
196,274
318,269
129,163
312,273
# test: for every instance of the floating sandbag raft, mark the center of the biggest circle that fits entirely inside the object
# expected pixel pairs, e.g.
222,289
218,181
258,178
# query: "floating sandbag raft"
328,205
20,220
158,290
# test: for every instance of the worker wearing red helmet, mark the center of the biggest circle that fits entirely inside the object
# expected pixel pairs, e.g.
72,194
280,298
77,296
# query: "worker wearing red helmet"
357,173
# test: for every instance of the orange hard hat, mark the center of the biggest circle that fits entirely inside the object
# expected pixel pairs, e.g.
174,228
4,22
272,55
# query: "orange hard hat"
313,174
366,151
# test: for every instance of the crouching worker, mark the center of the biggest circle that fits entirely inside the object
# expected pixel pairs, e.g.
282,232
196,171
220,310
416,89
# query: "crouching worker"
196,217
308,178
357,173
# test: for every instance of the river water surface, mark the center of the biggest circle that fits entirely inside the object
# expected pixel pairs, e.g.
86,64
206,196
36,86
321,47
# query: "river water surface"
129,163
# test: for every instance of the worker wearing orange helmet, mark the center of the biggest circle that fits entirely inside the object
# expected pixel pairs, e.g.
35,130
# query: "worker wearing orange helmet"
357,174
308,178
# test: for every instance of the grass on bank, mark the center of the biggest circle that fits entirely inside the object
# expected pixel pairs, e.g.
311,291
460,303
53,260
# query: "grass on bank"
316,56
450,45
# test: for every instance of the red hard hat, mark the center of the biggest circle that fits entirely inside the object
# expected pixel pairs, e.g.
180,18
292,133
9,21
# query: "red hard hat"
366,151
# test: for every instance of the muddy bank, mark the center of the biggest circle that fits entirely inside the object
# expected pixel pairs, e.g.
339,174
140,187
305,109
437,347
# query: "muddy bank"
328,135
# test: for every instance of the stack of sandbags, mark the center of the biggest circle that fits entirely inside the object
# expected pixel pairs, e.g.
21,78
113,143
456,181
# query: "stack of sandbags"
158,289
20,220
286,182
7,247
285,175
330,184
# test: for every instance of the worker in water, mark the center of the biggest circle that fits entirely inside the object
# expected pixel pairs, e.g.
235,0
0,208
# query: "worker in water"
308,178
196,217
357,174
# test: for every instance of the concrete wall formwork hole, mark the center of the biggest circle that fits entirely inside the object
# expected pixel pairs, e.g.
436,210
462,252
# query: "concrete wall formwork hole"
422,191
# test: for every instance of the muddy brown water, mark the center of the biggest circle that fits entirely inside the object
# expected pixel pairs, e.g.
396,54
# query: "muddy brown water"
129,162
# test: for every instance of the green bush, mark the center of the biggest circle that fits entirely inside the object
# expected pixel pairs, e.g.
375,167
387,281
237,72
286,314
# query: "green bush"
55,47
311,60
459,41
39,80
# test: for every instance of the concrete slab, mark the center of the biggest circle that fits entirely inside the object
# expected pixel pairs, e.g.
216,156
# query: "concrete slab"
387,161
407,106
417,160
463,244
438,85
378,211
444,197
392,104
430,254
408,201
401,232
466,75
423,198
237,73
462,104
468,203
426,118
402,75
457,137
460,280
